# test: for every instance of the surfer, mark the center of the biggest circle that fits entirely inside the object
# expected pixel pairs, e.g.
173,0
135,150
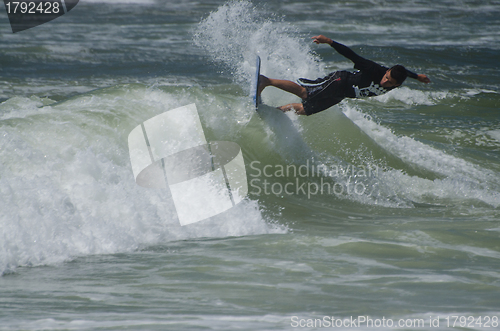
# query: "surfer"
372,79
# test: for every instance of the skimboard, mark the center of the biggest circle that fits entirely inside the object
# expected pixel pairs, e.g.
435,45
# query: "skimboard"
255,84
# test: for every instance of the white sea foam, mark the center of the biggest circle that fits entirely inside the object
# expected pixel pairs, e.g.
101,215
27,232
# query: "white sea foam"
238,31
461,179
67,188
414,97
495,134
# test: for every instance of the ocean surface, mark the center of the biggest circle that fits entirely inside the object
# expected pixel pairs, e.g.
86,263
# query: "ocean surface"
376,214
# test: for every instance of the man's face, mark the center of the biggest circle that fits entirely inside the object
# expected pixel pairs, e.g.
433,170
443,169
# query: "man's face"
388,81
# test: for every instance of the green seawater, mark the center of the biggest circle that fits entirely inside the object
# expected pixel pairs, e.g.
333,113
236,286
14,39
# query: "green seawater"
376,214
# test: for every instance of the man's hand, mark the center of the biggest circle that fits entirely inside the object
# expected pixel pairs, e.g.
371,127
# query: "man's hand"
424,79
322,40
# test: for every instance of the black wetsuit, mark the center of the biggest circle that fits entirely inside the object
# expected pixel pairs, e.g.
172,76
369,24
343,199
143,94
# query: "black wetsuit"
325,92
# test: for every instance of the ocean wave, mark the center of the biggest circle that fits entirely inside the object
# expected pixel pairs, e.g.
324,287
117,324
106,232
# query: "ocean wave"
67,188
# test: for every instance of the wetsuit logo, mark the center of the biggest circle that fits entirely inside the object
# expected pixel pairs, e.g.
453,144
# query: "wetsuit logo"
370,91
169,151
27,14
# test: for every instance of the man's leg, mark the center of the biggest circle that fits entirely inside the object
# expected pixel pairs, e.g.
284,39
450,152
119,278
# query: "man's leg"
287,86
282,84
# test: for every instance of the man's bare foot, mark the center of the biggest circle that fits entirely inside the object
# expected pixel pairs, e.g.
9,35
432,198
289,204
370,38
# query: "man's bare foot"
263,83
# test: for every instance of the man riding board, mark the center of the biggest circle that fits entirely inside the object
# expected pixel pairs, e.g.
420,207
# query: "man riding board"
372,79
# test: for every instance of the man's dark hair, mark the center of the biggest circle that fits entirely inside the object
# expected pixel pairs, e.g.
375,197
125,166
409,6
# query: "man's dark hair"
398,72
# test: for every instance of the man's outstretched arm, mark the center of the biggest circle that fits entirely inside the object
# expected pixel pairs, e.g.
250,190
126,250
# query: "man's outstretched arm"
423,78
341,49
351,55
420,77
